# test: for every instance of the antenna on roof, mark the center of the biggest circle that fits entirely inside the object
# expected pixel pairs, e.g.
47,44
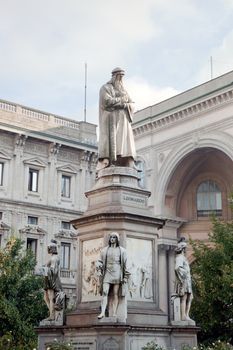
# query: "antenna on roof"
85,94
211,67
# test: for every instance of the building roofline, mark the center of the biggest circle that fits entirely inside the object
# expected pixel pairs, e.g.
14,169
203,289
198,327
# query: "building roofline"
48,137
46,113
186,97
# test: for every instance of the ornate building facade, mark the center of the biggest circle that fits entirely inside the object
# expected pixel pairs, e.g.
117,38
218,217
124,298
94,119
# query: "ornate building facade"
47,163
186,146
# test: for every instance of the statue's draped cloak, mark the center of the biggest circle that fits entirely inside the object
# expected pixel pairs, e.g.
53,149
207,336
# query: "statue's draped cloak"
116,135
52,282
183,277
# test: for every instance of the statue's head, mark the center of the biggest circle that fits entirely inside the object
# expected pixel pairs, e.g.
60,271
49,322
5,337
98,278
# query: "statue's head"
52,247
181,246
117,75
114,236
118,71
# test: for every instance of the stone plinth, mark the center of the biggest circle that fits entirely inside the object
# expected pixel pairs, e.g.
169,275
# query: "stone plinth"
117,203
58,320
114,336
117,191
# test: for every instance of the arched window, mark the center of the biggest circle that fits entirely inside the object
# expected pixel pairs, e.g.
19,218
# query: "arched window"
209,199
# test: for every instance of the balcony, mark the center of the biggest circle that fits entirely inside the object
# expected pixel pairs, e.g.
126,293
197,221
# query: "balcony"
68,274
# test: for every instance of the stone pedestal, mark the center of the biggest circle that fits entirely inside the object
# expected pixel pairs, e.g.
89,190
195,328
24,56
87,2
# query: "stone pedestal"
58,320
117,203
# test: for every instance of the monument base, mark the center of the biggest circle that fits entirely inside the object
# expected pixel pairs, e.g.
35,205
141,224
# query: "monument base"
114,336
58,320
117,204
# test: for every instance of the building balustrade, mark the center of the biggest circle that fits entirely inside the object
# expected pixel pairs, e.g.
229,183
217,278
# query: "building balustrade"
6,106
35,114
47,121
67,273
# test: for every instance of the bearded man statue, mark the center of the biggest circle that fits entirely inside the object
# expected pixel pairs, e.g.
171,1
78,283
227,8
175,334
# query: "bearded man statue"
116,142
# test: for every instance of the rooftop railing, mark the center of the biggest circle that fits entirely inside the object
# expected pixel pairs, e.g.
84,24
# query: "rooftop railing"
47,120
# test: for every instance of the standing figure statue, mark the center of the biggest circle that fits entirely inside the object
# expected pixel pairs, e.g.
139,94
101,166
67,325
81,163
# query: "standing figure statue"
112,268
53,293
116,142
183,285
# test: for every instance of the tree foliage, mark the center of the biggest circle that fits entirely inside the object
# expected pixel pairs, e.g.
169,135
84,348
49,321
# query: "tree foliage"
21,298
212,272
152,346
60,345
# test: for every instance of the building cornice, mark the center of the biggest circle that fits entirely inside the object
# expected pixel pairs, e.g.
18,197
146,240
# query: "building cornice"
43,207
166,119
45,136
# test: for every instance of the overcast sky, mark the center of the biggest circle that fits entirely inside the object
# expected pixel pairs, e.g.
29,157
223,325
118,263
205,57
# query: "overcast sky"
164,45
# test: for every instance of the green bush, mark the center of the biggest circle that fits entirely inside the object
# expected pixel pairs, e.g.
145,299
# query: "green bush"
152,346
21,298
218,345
60,345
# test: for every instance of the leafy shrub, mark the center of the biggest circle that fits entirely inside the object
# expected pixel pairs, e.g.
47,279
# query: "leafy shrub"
152,346
60,345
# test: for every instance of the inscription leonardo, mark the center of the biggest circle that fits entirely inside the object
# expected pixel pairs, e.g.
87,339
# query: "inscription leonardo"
133,199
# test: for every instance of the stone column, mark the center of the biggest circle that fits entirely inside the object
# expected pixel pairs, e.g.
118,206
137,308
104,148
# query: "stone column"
19,185
52,174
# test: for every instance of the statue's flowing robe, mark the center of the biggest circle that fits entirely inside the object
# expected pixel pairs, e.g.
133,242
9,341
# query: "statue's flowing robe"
52,281
115,131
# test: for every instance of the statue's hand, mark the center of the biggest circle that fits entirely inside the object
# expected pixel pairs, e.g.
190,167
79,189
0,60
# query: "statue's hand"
124,99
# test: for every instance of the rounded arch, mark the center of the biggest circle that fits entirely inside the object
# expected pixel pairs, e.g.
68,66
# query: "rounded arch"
218,140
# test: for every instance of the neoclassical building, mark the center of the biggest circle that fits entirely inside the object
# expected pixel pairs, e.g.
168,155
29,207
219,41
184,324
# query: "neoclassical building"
47,162
185,144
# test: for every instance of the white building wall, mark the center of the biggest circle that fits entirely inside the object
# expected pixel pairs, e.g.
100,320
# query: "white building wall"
54,146
168,131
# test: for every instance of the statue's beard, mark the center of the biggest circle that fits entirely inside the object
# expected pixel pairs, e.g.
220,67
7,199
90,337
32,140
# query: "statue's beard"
119,86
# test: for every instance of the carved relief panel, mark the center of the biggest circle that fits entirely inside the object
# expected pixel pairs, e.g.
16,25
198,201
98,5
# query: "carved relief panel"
139,253
90,281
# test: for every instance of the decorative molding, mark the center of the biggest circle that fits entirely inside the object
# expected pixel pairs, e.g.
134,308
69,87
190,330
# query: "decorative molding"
54,148
31,229
67,169
4,155
66,234
4,227
35,161
20,140
90,157
188,112
161,157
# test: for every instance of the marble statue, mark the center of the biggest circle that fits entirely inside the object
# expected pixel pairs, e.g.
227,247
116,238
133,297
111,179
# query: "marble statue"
183,284
53,293
112,268
116,142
